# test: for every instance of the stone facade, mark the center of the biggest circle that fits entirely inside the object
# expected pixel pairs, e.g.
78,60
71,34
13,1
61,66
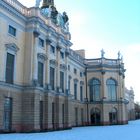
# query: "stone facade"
45,85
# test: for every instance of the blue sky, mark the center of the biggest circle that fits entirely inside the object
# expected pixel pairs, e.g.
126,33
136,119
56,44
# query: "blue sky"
113,25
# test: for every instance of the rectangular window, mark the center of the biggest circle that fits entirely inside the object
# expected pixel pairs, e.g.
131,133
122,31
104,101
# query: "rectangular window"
8,113
53,115
63,115
10,68
75,71
41,114
62,55
81,74
12,30
40,73
41,42
82,116
62,80
75,91
69,67
81,93
52,77
52,49
76,116
69,83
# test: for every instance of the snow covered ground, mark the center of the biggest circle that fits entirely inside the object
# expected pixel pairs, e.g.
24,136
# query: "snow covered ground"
118,132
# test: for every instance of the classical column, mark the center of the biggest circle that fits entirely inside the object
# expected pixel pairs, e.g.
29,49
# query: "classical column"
35,62
47,76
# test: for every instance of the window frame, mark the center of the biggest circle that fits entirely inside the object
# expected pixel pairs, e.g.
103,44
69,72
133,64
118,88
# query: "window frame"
12,30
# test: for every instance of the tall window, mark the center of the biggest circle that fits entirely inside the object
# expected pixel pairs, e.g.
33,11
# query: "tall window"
69,83
76,116
10,68
40,73
111,89
41,114
8,113
62,80
63,115
81,93
53,115
12,30
52,77
82,115
75,91
94,90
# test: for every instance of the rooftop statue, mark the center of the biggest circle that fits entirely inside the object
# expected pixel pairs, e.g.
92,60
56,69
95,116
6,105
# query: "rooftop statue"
102,53
49,10
47,3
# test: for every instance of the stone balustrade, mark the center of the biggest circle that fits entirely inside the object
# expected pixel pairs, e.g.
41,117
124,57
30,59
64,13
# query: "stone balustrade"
105,61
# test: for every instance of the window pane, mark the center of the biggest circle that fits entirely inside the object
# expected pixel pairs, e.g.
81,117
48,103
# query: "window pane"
75,91
12,30
81,93
10,68
111,86
40,73
62,80
7,113
52,76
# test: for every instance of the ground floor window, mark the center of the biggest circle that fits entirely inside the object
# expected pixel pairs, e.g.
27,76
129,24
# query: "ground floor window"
76,116
41,114
63,115
53,115
113,116
8,113
95,116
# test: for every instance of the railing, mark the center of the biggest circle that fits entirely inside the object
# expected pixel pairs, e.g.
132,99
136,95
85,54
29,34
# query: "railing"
100,61
36,12
18,6
76,56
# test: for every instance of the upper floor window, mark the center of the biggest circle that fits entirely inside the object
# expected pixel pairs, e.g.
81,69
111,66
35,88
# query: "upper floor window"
52,77
40,73
69,67
111,89
81,93
9,74
94,90
75,71
62,55
12,30
75,91
41,42
62,80
81,74
52,49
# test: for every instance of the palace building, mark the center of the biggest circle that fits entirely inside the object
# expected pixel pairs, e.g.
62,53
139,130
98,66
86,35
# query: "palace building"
44,84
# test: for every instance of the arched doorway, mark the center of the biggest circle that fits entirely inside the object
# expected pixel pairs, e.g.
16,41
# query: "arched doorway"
95,116
113,116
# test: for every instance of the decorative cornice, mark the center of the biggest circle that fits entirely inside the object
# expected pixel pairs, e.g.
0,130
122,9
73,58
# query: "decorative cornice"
81,82
42,56
63,67
12,47
53,62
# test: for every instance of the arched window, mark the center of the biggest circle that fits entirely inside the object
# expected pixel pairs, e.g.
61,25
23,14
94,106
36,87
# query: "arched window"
95,90
111,89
